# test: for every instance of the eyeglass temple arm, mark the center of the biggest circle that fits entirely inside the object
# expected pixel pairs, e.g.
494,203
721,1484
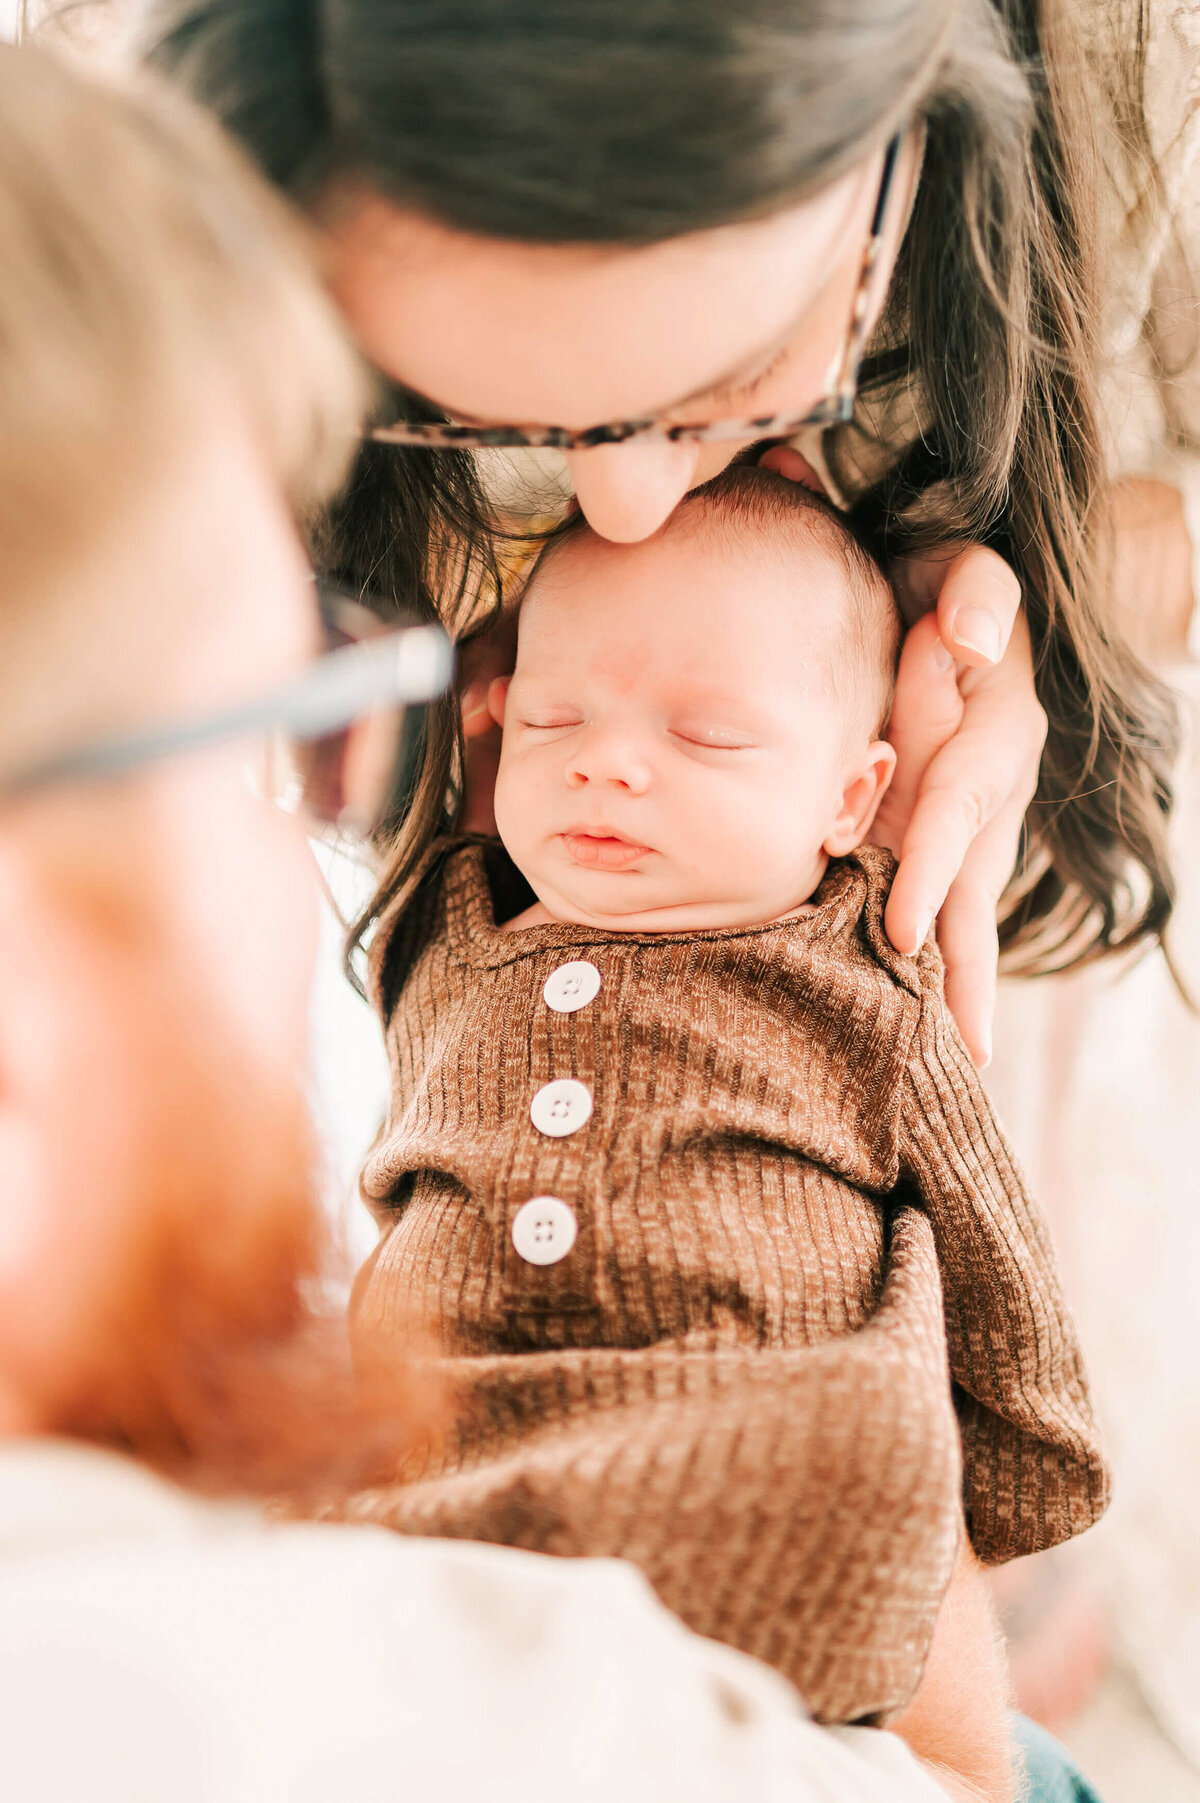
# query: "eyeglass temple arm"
847,380
396,669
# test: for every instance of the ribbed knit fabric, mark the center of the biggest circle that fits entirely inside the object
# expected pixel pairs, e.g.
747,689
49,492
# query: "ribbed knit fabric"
738,1375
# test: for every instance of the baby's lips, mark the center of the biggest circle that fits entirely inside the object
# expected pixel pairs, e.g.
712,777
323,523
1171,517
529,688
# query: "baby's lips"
603,851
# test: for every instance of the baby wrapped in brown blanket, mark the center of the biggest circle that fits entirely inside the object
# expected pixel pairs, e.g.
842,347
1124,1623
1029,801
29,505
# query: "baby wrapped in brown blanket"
687,1174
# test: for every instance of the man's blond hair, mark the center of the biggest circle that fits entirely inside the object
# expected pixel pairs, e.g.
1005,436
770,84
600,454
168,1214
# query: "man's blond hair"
146,272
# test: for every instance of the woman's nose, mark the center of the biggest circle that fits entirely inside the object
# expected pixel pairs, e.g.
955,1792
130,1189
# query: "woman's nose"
627,491
608,760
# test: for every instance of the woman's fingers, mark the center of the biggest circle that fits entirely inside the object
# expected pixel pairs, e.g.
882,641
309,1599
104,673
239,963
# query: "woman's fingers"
483,659
967,934
961,791
960,843
976,597
927,711
968,735
991,761
476,714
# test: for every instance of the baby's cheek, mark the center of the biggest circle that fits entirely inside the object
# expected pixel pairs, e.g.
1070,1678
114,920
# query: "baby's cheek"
726,827
749,836
517,809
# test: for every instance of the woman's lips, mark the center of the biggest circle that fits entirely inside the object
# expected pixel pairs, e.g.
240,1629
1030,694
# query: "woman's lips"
603,851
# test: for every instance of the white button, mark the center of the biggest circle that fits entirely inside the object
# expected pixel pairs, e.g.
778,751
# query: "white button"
572,986
544,1230
561,1107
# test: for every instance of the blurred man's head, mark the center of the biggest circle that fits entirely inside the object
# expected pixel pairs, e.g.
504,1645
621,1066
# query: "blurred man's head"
174,395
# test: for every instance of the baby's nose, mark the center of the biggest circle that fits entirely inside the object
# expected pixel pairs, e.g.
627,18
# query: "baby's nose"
615,760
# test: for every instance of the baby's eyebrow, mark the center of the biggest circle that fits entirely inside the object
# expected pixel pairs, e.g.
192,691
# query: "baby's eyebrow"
703,698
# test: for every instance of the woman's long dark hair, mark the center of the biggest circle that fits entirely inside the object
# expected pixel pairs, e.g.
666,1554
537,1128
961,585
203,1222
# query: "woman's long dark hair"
627,121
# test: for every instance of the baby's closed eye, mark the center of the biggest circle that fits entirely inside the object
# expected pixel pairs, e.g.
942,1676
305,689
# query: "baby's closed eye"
549,719
709,735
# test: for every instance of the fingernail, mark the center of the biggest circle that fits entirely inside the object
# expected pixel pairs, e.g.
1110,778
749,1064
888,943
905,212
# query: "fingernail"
941,656
474,699
975,629
923,926
985,1055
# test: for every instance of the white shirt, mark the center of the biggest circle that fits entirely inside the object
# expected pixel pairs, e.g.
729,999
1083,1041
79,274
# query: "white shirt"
159,1649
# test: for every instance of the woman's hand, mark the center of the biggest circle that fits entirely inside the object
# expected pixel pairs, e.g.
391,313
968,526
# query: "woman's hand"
483,658
968,732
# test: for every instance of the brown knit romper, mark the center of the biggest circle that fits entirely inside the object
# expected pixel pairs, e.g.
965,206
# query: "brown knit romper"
735,1373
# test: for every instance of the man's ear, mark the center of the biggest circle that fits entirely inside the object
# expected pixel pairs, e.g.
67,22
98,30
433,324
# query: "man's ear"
860,799
497,696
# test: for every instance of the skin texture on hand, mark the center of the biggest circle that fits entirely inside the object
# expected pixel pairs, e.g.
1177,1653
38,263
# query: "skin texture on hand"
965,776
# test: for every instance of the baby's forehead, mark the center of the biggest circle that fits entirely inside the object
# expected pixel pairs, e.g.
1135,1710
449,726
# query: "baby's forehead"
700,581
749,586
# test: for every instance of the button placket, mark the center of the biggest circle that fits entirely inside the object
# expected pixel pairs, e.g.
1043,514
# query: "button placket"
545,1230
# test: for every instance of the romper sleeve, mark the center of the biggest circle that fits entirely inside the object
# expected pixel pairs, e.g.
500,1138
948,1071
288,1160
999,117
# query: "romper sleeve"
1033,1471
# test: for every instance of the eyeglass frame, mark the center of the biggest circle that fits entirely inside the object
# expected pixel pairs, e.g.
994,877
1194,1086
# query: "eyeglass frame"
836,408
397,668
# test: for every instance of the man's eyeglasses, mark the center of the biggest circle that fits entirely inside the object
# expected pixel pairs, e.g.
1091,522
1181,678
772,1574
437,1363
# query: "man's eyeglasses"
336,737
834,408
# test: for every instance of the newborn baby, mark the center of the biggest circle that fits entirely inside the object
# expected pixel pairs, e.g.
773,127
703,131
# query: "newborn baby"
683,1156
693,732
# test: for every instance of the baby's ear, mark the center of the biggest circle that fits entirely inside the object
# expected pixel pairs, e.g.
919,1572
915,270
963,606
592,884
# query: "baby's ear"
865,789
496,697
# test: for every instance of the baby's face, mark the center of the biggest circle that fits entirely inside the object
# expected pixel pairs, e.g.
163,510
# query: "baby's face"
679,751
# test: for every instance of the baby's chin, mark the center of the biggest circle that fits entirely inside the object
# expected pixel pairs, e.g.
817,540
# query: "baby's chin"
601,902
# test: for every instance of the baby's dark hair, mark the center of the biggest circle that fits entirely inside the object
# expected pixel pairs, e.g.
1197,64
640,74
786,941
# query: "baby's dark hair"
771,507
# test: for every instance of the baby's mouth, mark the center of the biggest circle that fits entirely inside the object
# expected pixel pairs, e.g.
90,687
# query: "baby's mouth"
603,850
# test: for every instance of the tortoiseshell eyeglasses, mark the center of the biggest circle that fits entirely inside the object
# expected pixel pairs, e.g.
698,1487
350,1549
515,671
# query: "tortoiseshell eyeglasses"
834,408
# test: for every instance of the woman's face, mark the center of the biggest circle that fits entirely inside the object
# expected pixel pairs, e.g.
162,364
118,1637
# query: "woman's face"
746,319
